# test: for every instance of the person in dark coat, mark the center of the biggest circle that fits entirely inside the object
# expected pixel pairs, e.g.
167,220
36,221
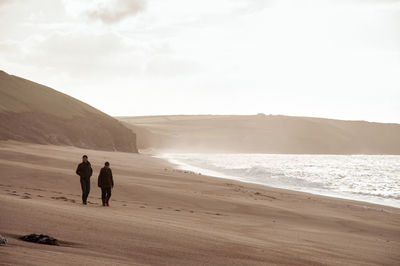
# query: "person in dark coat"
106,183
85,171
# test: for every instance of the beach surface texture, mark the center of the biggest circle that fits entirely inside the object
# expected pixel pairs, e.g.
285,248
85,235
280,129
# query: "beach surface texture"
159,215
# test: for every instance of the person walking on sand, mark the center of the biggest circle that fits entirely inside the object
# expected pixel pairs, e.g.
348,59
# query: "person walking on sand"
85,171
106,183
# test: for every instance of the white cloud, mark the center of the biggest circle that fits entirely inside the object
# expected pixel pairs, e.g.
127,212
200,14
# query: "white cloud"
106,11
326,58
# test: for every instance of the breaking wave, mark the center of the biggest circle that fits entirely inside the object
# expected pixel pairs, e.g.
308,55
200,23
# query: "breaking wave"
371,178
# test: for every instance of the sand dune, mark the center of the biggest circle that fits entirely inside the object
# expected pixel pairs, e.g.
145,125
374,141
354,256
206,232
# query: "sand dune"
264,134
162,216
35,113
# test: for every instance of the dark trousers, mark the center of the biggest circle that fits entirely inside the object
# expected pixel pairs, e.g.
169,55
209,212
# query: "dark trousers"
105,194
85,185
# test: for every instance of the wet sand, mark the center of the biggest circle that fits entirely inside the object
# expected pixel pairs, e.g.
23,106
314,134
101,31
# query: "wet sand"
162,216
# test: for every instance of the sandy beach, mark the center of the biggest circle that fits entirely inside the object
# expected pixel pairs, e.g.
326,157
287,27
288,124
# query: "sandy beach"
238,133
162,216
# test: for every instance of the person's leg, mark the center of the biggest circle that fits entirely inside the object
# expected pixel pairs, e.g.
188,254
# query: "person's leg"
87,188
108,195
83,187
103,196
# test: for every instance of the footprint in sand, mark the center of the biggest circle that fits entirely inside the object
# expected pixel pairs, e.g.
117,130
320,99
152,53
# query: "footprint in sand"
60,198
25,197
211,213
64,199
263,195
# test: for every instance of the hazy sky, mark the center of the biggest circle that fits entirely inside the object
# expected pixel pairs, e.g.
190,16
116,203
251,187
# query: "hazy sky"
337,59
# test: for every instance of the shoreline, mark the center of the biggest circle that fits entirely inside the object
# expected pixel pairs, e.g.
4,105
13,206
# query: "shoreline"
331,194
159,215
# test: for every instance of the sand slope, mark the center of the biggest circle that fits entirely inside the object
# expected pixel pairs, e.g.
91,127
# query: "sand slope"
264,134
35,113
161,216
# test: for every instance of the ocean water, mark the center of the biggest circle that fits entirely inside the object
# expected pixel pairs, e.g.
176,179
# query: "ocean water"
371,178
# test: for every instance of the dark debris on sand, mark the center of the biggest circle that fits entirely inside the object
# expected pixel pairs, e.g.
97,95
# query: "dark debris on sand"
40,239
3,240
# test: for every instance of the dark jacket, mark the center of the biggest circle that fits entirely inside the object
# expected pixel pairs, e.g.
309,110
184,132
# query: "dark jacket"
105,178
84,170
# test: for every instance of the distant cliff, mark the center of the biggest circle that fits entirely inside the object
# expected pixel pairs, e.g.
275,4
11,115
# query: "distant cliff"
31,112
265,134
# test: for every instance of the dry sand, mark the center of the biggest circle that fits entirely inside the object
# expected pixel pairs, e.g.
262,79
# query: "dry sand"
161,216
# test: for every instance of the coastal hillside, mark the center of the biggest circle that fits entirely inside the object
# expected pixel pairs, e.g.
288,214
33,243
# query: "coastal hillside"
34,113
264,134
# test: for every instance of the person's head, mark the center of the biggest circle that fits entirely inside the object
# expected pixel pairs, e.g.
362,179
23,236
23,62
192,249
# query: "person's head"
84,158
107,165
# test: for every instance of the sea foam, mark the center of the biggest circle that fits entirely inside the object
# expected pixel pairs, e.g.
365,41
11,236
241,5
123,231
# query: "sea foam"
371,178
